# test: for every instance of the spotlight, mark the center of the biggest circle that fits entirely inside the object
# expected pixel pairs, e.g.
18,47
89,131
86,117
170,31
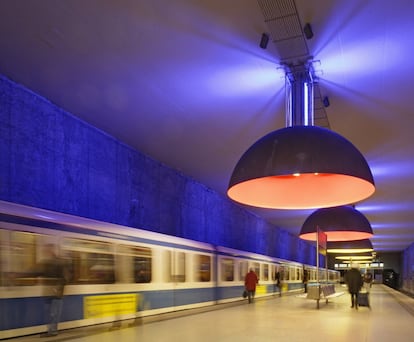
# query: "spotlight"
307,30
326,102
264,41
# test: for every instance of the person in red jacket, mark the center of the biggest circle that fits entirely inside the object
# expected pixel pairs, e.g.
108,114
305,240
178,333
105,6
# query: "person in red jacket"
250,282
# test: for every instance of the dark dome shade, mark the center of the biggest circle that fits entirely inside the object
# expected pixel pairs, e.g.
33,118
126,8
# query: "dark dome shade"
339,224
301,167
347,247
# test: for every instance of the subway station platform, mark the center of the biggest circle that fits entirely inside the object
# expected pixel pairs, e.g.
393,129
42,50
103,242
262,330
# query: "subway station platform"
287,318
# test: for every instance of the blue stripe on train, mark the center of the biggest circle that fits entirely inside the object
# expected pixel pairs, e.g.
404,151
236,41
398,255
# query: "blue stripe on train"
26,312
171,298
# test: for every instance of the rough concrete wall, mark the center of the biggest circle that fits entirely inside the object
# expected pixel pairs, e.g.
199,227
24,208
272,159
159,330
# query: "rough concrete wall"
407,270
52,160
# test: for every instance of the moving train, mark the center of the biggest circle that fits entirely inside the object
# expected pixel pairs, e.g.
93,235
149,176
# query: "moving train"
118,273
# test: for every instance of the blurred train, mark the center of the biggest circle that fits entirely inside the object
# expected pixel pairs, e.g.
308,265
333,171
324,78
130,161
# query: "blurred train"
119,273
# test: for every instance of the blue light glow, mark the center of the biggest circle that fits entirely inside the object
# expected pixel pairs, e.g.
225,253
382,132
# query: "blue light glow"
357,59
383,207
389,225
387,241
239,82
401,169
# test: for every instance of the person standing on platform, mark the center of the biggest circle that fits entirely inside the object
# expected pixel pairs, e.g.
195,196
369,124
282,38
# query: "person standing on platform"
305,280
250,282
55,271
278,283
367,281
354,281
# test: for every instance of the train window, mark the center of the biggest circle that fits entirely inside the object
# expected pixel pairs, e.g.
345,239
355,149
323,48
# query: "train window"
281,273
18,258
142,265
243,268
92,262
284,273
265,275
177,266
203,267
227,269
134,264
4,256
321,275
256,268
274,271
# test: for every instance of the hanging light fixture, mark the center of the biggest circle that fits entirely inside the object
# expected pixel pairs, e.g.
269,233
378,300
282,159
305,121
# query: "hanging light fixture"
301,166
350,247
343,223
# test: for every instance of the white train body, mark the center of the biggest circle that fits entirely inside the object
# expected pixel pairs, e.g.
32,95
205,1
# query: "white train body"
118,273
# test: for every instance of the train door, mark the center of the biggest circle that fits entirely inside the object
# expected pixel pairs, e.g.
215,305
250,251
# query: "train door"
172,263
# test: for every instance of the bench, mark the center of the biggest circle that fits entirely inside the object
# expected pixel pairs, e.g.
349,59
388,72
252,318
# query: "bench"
319,291
329,291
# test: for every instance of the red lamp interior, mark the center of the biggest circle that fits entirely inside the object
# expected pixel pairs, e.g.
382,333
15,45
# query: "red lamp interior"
304,191
343,235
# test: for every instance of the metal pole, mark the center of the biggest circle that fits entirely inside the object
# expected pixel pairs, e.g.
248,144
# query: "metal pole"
317,268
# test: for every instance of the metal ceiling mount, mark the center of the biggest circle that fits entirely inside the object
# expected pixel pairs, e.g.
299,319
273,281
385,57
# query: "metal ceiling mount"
299,83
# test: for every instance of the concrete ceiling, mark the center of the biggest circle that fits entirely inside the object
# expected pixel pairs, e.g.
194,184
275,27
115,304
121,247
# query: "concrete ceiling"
186,83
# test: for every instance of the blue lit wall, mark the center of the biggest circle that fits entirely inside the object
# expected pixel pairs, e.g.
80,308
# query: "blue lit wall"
407,270
52,160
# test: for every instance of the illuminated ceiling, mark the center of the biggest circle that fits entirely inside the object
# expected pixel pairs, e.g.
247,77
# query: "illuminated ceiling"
192,74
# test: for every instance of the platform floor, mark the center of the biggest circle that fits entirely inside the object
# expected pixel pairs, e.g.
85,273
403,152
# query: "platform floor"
287,318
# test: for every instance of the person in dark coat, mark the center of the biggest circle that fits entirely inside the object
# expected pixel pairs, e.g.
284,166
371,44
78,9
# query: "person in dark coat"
305,280
250,282
54,270
278,282
353,279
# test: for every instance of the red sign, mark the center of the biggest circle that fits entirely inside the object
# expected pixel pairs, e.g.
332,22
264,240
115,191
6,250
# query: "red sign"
321,241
